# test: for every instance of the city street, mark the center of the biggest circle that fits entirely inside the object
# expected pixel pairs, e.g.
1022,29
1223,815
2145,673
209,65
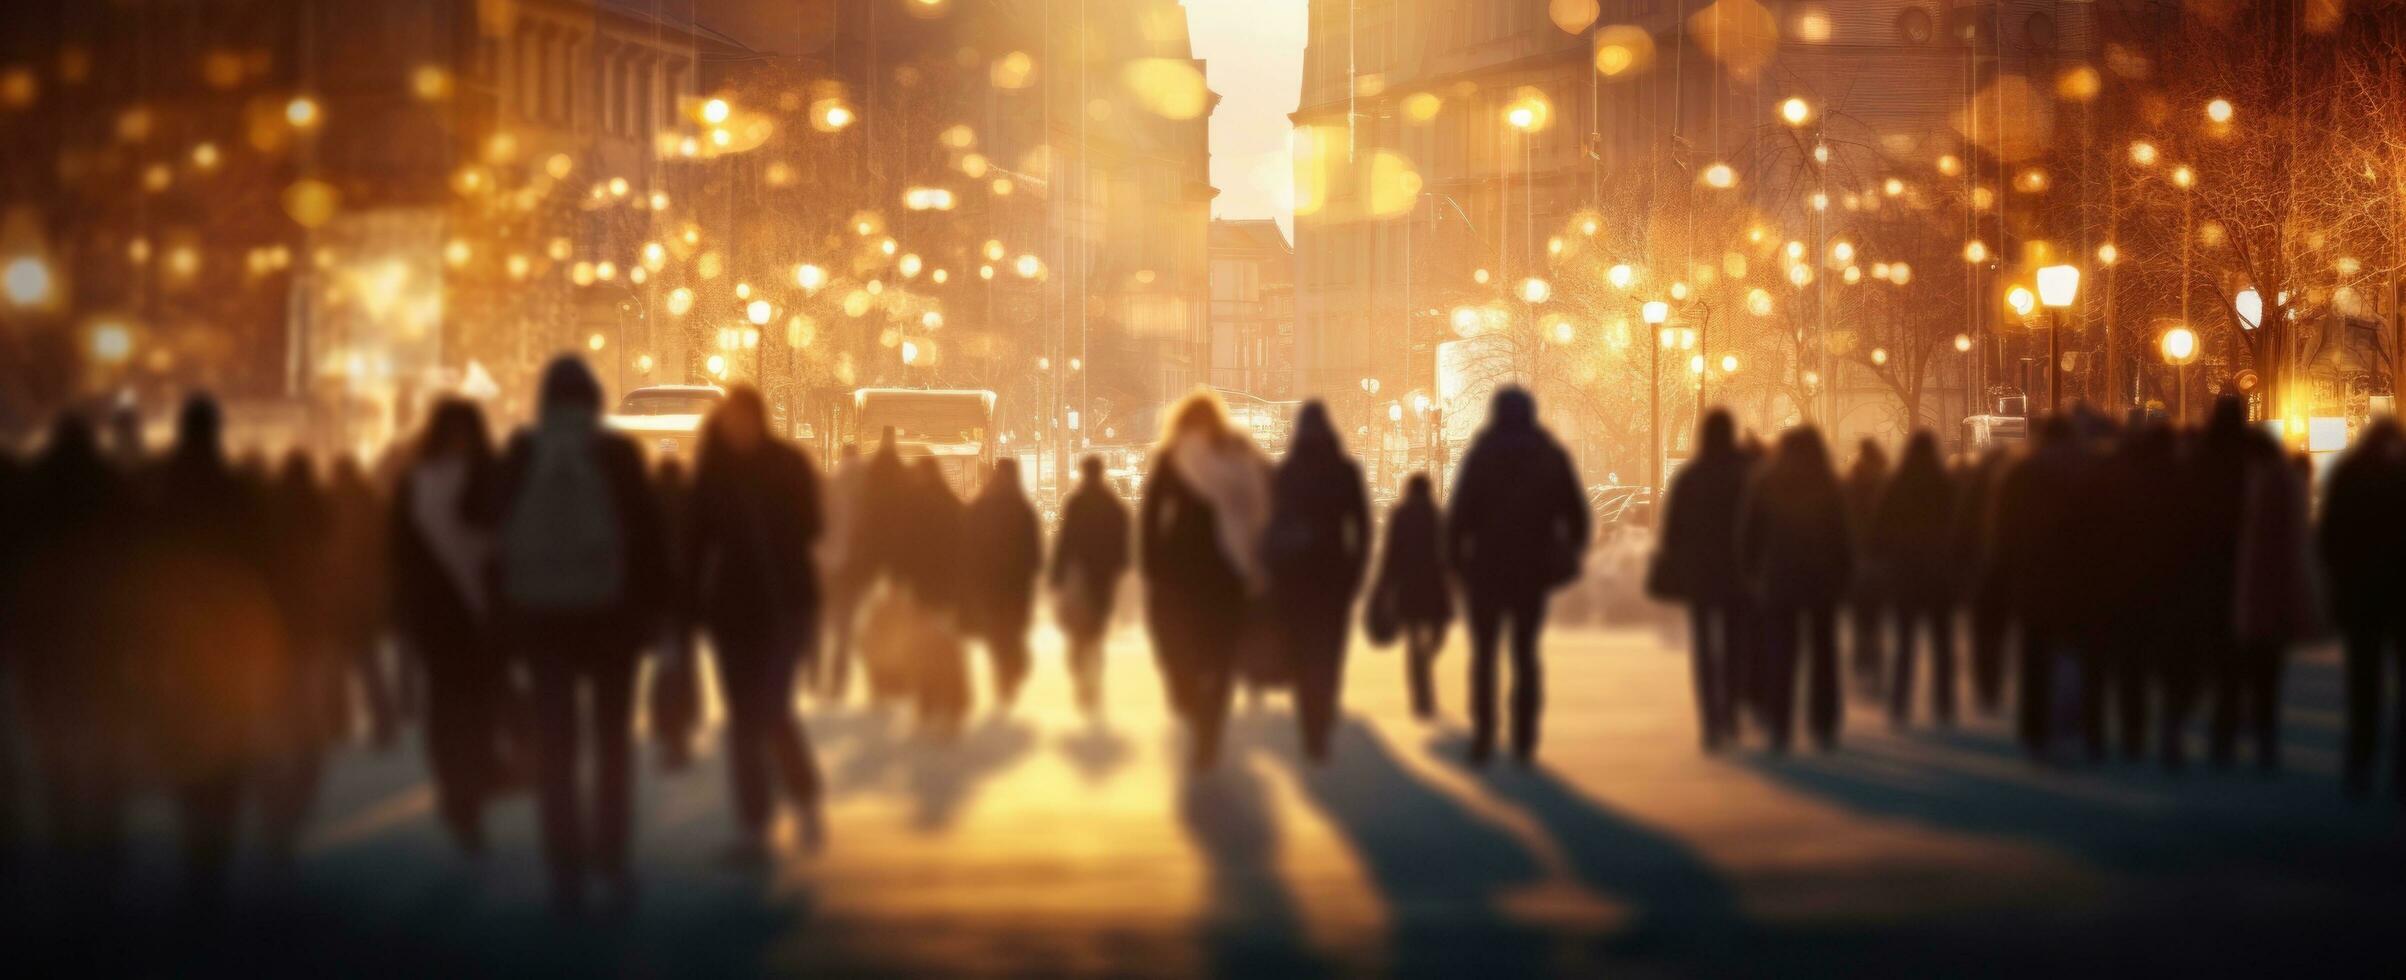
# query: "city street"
1042,844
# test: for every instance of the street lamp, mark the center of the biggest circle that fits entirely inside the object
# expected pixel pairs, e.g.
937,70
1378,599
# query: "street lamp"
2180,347
1796,111
2249,305
1656,313
2058,285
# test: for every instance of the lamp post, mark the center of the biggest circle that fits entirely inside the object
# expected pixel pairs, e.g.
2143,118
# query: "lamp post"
1963,346
2058,285
2180,347
1656,313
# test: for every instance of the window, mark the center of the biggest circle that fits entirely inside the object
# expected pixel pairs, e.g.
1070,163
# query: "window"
1914,26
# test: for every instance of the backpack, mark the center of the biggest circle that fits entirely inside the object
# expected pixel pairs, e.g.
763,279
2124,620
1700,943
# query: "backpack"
561,548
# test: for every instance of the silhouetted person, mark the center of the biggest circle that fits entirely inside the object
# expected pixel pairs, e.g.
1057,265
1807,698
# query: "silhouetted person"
1795,551
2214,505
581,579
1003,553
1909,541
1865,481
442,606
673,704
2140,535
70,655
844,572
214,649
1979,591
1697,563
1517,530
2043,514
1206,501
1316,549
352,610
2362,539
2278,604
1411,588
311,688
929,566
751,529
1089,556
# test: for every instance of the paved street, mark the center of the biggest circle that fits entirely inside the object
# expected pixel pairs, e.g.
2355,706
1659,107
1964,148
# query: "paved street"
1041,844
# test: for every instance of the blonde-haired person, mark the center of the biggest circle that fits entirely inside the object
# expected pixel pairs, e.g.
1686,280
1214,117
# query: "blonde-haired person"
1206,504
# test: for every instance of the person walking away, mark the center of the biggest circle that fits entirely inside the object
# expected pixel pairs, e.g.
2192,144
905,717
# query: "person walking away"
2214,510
843,570
1517,530
752,528
353,603
1089,556
1978,590
1411,590
673,702
443,615
1206,502
1796,553
1909,543
1865,482
2142,539
312,696
1004,554
1316,549
2363,533
580,572
2279,601
1696,562
2039,552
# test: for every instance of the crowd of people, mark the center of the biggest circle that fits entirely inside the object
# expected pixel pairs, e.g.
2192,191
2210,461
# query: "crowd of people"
209,629
2118,581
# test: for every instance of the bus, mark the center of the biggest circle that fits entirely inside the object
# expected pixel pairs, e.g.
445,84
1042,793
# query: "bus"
953,426
666,419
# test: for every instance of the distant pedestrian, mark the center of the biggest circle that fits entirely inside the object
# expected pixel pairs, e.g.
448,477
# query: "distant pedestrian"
1003,548
2279,601
1868,598
1206,502
1411,588
1315,550
353,610
1909,544
844,573
312,677
2206,660
1978,590
1796,553
673,701
1697,563
2363,547
2041,558
581,565
1516,531
1090,555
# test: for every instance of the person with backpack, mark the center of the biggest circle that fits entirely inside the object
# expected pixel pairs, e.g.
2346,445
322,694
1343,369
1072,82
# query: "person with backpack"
1518,530
1410,595
581,575
1316,549
751,529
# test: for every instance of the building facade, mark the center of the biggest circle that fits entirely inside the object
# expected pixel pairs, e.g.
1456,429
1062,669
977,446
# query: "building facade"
1252,309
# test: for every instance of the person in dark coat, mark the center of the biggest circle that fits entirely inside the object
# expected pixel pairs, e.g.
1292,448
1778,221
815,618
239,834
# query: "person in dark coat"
1977,588
2041,559
580,574
212,648
1909,542
1316,549
2213,505
2361,539
1865,482
673,702
2278,602
2140,536
1796,553
1089,556
751,528
929,566
311,696
442,607
1697,563
1004,553
1517,530
1206,502
1411,588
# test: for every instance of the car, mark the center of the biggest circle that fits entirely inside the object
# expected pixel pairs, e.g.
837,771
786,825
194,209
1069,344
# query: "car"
666,419
1618,509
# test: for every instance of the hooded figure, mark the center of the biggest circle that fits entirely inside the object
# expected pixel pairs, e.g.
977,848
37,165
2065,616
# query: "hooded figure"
1697,561
1795,551
1909,542
1316,548
1005,551
580,582
1865,483
1200,525
2362,537
443,612
1089,557
751,528
1411,591
1518,529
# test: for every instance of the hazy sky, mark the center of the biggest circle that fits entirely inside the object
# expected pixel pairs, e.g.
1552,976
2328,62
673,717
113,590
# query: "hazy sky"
1255,50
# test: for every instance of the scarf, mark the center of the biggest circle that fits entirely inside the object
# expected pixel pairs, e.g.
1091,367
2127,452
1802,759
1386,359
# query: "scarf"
1231,476
436,487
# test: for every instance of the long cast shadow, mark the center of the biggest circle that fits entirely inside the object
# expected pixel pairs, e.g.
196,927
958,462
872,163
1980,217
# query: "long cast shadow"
1251,927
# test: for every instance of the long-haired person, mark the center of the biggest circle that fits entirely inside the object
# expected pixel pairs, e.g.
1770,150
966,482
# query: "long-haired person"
442,609
1516,531
751,531
1315,549
1794,549
1206,502
1089,557
1411,588
580,573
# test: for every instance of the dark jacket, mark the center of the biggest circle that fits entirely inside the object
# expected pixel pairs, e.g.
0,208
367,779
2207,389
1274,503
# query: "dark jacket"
1318,542
2363,534
750,526
1518,523
1004,551
1793,545
2039,539
927,539
1411,568
1092,548
1910,528
1698,555
1190,585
